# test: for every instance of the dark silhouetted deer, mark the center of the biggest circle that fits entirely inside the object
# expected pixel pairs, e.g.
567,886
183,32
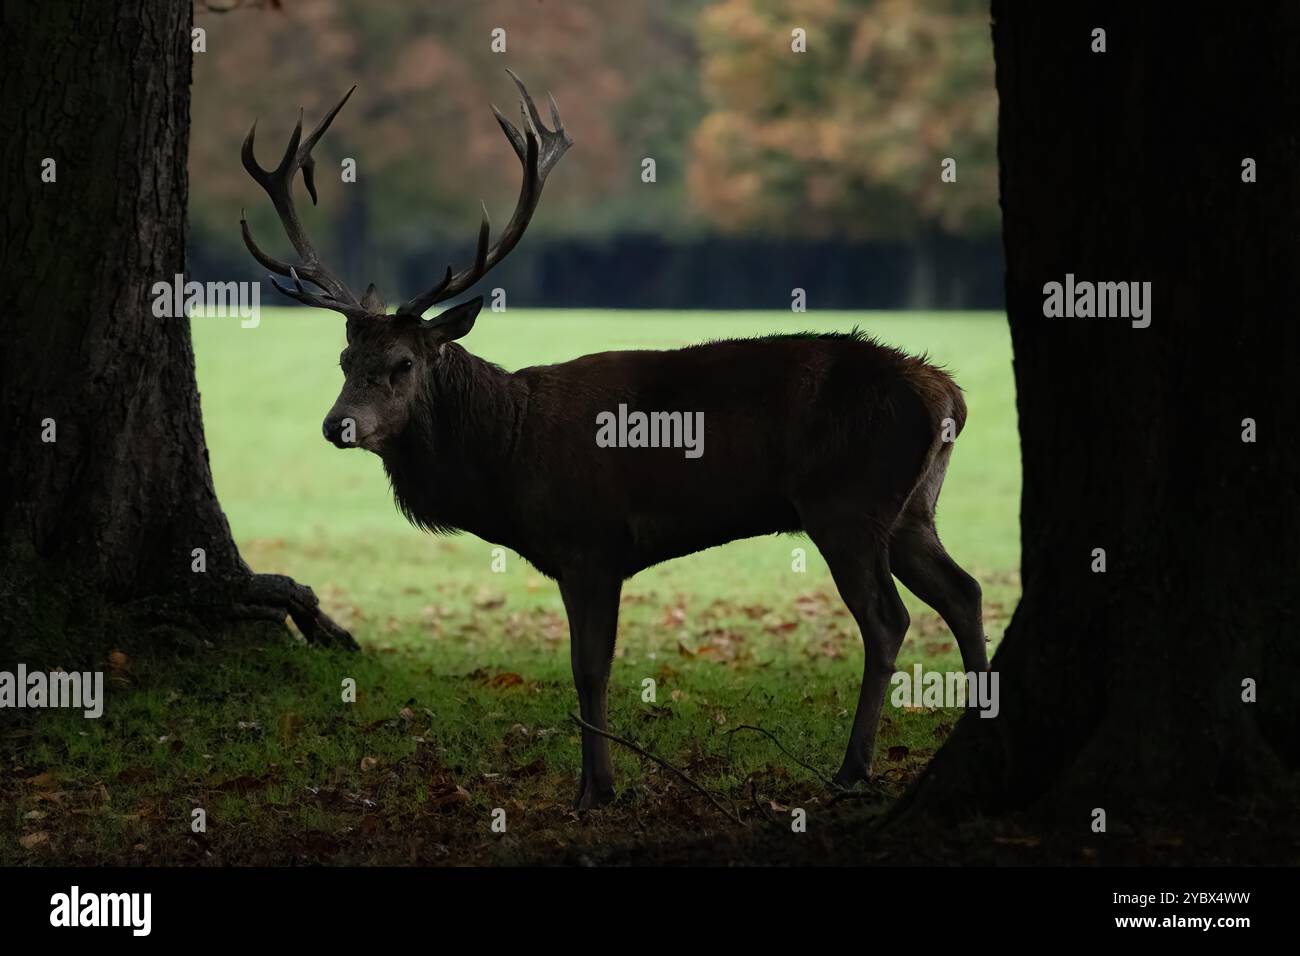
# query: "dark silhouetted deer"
830,434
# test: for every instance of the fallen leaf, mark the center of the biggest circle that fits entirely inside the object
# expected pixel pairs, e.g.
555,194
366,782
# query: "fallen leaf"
242,784
1017,840
775,625
448,795
487,600
30,840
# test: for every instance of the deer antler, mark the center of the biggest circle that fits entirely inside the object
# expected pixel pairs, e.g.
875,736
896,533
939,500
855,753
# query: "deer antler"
538,149
278,184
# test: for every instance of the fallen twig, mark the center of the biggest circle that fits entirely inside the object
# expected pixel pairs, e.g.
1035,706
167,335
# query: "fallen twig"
732,815
772,737
765,812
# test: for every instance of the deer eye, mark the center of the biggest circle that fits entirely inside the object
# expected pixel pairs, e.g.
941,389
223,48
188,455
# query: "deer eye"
400,369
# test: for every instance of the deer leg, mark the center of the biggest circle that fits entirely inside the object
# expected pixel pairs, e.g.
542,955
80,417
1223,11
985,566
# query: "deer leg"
859,562
919,560
591,602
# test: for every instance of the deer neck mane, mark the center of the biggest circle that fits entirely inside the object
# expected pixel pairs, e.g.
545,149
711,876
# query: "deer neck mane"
452,460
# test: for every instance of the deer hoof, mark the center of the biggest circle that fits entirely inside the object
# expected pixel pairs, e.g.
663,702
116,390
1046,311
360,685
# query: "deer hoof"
851,775
593,797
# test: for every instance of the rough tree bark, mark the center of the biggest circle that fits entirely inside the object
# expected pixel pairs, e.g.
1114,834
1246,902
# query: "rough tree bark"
110,512
1124,689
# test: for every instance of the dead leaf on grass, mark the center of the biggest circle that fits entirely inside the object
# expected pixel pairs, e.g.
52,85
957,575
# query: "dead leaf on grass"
1017,840
487,600
447,796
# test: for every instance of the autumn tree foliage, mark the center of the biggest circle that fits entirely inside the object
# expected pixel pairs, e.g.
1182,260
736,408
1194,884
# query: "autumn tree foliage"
419,128
847,139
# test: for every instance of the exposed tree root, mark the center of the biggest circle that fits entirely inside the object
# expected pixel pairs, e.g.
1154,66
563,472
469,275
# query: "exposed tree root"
257,597
282,595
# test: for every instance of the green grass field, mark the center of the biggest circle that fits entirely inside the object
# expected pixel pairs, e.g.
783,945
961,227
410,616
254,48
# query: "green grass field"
299,505
464,689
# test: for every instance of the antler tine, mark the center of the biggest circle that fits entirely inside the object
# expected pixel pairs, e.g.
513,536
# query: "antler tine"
454,284
278,184
351,310
538,149
553,143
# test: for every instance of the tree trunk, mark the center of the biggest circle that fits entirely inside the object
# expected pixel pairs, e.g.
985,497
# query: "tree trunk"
112,510
1124,689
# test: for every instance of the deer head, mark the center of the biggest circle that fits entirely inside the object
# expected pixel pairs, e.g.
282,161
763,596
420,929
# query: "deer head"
389,357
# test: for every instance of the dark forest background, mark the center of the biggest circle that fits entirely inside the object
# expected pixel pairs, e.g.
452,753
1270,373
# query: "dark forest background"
825,177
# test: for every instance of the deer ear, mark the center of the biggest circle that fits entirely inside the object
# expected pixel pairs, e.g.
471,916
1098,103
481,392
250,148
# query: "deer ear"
455,322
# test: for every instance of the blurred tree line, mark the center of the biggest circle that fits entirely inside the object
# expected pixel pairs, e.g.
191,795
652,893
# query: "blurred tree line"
772,168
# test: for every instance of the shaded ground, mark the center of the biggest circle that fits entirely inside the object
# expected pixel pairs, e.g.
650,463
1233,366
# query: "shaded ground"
1222,832
258,736
473,720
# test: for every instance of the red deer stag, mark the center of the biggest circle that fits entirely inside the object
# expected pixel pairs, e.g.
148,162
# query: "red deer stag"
834,435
